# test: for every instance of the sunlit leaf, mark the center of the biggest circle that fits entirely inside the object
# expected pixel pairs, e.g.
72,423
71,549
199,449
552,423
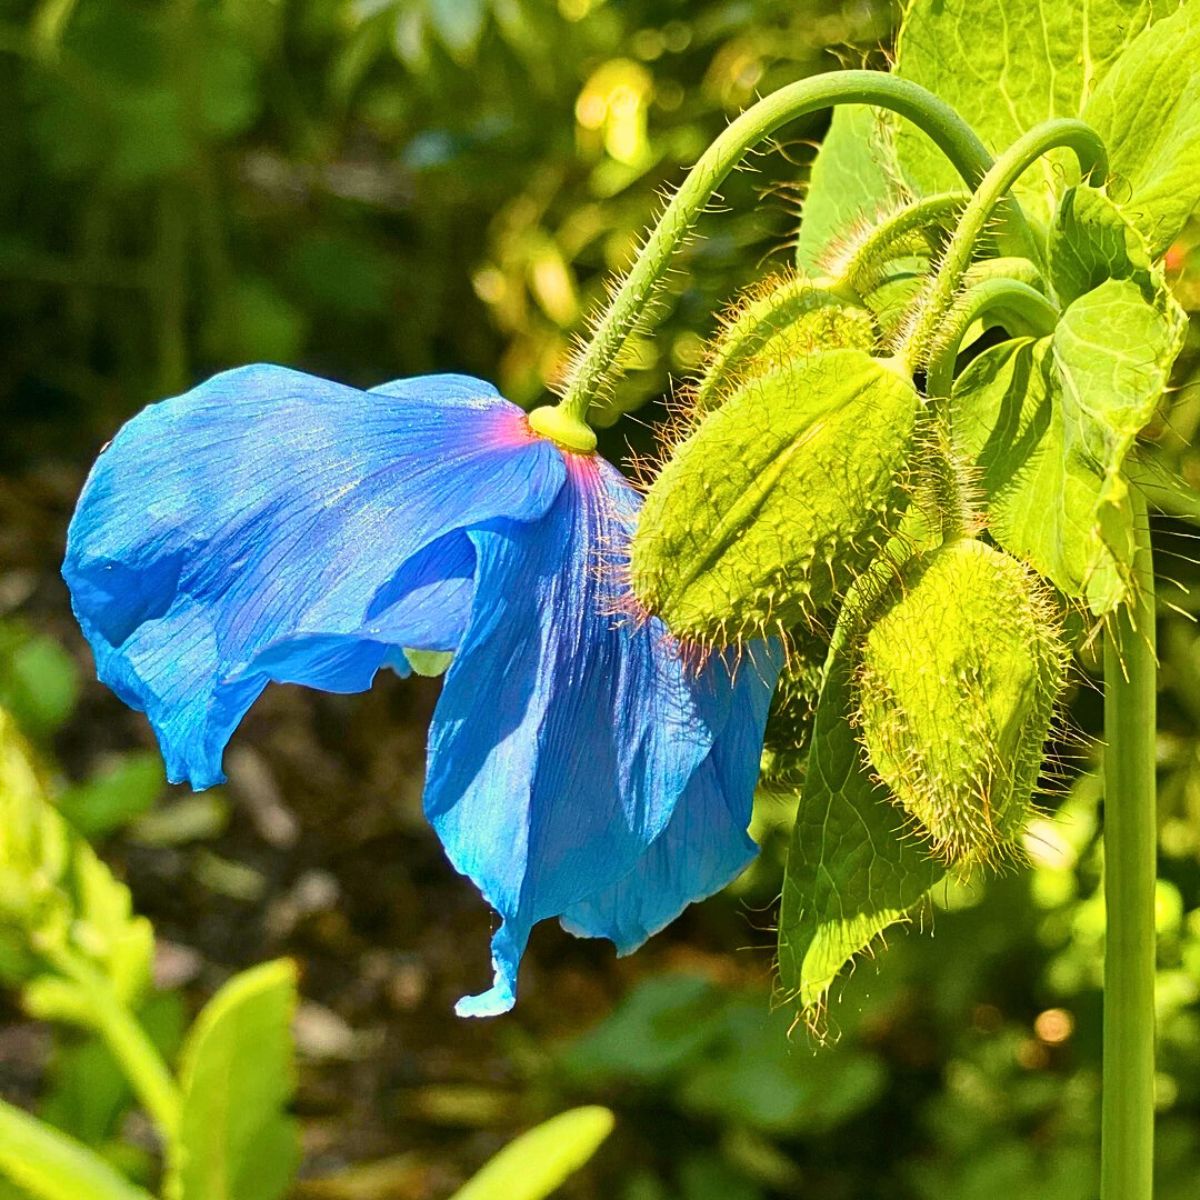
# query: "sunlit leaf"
236,1139
1147,110
539,1161
1005,67
1050,424
52,1166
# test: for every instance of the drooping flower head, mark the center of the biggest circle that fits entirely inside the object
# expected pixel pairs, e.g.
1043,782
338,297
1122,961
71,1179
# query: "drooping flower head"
272,526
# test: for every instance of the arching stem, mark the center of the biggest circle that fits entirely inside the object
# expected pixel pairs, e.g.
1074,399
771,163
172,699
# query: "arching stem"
600,358
1009,167
1130,846
1010,301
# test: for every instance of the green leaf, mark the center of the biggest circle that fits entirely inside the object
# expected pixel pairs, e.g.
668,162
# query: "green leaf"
1147,110
665,1023
852,181
1090,241
55,893
115,796
1050,423
52,1166
39,682
852,868
539,1161
236,1140
1006,65
749,1079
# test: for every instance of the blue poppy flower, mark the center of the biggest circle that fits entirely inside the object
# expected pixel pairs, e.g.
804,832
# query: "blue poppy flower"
272,526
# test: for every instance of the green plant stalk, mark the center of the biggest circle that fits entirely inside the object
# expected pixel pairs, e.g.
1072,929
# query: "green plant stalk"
861,267
1009,298
1130,844
599,360
129,1043
1008,168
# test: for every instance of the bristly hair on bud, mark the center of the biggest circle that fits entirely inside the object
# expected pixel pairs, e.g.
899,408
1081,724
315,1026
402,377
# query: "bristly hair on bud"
771,324
960,671
768,510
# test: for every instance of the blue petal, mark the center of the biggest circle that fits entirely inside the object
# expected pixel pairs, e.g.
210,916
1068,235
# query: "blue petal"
272,525
565,734
705,845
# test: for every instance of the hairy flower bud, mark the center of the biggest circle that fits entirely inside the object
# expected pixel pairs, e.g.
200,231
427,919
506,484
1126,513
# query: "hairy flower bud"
773,504
775,323
956,690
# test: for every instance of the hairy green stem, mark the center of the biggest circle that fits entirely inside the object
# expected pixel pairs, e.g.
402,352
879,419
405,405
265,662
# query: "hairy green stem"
1130,844
600,358
1009,167
1011,301
861,267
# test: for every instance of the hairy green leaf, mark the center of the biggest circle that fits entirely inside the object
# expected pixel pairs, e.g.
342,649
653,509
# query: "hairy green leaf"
236,1140
1050,423
853,869
1005,67
537,1162
1147,110
50,1165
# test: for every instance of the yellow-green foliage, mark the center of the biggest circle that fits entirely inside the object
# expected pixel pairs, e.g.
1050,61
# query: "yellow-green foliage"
767,511
956,690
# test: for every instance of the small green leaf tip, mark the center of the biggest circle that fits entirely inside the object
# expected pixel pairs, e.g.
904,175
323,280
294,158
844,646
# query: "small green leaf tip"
567,431
776,500
956,691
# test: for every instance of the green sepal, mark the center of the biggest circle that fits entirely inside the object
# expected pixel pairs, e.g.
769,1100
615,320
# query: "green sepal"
774,503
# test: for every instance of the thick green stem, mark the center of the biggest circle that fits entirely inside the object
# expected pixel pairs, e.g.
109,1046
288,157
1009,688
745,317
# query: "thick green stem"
600,358
1130,843
1009,167
1009,300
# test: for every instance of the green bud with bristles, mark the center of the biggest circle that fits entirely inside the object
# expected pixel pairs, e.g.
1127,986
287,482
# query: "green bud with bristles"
960,672
776,322
766,512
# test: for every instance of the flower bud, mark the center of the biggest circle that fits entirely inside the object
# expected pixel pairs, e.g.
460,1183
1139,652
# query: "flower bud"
775,323
769,508
960,671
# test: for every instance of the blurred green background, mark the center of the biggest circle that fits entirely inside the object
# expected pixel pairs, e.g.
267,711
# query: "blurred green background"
369,189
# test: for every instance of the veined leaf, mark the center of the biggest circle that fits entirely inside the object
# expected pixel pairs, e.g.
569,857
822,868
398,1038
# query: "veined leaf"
537,1162
1147,110
1005,67
236,1141
853,179
852,869
55,893
1090,241
49,1165
1050,424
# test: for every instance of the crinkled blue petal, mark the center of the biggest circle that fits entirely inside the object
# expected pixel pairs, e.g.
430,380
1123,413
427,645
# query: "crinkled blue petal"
565,734
272,525
705,844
